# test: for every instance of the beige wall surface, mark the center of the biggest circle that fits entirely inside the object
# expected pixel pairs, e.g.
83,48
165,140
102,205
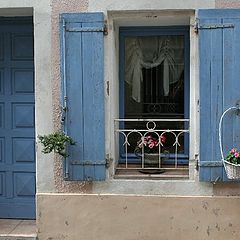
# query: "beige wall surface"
140,5
47,84
122,217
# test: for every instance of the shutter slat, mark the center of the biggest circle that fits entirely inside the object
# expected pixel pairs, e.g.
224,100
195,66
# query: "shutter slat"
85,94
219,73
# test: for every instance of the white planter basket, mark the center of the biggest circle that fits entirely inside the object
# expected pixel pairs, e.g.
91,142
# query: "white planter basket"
232,170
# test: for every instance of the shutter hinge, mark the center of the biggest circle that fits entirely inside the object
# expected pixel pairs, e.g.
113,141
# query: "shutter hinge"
88,163
105,29
108,88
211,163
197,26
109,160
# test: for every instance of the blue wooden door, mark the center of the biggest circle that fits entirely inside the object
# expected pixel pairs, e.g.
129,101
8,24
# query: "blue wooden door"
17,139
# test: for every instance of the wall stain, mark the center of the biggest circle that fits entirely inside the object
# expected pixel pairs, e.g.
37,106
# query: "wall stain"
216,211
208,231
205,205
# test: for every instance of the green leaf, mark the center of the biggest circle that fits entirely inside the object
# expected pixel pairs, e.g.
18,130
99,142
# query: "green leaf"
56,142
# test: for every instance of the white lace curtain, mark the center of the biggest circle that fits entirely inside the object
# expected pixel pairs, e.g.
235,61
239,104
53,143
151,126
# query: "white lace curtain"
150,52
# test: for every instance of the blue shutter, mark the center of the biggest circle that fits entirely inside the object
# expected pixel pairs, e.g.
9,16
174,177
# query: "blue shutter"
83,94
219,38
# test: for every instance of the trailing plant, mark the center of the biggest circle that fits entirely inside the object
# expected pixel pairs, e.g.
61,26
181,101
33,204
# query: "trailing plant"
56,142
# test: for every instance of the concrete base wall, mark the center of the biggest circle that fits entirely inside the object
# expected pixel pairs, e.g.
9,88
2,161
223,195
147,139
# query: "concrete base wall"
126,217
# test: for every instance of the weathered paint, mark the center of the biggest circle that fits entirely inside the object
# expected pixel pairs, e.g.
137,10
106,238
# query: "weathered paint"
83,90
129,217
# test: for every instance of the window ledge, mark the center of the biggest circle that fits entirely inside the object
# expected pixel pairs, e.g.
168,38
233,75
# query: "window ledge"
181,173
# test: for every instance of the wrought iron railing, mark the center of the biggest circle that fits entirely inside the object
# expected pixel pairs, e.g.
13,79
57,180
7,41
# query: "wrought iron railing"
169,139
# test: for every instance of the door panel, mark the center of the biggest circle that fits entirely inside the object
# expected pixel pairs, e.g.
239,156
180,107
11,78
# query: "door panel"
17,120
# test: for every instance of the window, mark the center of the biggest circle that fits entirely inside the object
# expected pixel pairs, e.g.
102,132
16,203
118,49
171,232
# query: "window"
154,100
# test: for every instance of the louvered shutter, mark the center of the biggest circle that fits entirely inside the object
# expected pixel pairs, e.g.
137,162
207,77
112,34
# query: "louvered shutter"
219,50
83,94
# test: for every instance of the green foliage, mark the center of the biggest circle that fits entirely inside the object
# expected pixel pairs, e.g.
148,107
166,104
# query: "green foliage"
56,142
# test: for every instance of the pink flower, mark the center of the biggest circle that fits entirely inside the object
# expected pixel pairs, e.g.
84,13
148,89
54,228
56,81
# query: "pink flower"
151,145
163,139
151,142
233,150
236,154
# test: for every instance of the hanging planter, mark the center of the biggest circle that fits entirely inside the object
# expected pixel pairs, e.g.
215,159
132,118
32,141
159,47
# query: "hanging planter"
232,170
232,162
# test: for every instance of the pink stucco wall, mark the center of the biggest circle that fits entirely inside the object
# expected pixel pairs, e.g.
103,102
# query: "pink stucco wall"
227,3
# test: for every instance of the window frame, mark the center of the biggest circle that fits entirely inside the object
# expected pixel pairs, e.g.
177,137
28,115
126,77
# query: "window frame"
137,31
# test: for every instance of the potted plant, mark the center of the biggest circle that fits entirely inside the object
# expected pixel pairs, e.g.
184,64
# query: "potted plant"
148,148
56,142
232,164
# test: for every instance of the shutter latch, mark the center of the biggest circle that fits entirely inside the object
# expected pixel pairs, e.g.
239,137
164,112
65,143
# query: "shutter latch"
105,29
64,110
197,162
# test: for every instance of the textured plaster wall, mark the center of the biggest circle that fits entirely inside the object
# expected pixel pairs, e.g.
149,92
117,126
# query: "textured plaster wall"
120,217
227,3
